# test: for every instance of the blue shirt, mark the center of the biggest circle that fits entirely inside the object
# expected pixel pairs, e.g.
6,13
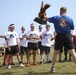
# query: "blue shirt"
62,24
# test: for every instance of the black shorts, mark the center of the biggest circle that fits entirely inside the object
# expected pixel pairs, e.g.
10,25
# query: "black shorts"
33,46
39,45
44,49
64,40
6,51
63,49
14,50
23,49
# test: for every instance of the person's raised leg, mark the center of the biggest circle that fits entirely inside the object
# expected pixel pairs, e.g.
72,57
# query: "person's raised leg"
54,58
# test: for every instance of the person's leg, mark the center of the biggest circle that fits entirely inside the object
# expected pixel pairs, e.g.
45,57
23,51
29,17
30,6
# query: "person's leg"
28,56
48,57
34,57
73,54
18,58
56,52
42,56
47,52
54,58
22,49
60,54
42,52
9,61
65,54
16,51
12,60
70,57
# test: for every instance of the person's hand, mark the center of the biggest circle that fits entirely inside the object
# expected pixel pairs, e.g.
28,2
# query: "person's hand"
9,48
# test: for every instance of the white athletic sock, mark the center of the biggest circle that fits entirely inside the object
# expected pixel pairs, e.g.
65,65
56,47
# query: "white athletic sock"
48,57
42,56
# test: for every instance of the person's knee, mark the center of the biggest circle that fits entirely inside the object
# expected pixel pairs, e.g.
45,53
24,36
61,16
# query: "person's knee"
56,52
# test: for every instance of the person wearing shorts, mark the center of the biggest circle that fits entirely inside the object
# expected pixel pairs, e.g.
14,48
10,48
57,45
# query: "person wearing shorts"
23,43
63,26
13,45
32,37
6,49
46,37
39,42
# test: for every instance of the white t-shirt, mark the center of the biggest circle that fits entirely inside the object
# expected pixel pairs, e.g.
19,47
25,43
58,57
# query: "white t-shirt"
32,34
46,38
24,41
12,36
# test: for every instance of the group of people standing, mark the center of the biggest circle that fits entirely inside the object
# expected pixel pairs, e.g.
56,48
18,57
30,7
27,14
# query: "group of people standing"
32,40
28,42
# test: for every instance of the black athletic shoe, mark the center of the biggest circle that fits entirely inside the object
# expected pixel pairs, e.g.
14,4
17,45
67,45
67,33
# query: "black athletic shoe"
60,60
3,64
41,62
12,64
49,61
65,60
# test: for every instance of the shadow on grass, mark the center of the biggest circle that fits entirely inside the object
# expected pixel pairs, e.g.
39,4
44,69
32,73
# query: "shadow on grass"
41,73
48,73
7,73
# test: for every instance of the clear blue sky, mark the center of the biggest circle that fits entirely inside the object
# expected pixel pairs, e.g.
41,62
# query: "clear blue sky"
22,12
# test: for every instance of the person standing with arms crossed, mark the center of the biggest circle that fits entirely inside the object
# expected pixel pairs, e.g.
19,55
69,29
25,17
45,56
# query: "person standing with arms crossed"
32,36
23,42
63,26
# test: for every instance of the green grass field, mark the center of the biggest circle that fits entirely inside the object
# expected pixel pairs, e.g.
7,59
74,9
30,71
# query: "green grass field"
63,68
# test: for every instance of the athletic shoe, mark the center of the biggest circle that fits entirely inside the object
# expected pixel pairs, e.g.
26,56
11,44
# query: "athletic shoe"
12,64
21,65
70,59
9,66
4,64
65,60
49,61
28,65
41,62
52,70
35,64
60,60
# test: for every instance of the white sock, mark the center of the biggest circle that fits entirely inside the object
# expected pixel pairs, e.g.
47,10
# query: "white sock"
48,57
42,57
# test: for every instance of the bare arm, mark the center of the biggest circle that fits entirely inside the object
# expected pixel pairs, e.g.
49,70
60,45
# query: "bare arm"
1,36
23,36
37,37
18,43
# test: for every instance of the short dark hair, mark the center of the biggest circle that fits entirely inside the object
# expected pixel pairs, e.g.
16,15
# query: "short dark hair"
63,8
47,25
